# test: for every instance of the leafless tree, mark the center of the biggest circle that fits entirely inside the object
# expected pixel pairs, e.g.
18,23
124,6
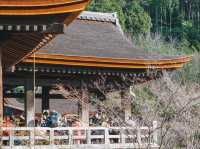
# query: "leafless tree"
175,106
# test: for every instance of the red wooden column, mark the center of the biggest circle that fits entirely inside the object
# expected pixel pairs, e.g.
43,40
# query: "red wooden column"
1,89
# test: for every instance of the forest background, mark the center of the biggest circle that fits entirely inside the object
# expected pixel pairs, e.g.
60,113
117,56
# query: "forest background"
177,19
168,27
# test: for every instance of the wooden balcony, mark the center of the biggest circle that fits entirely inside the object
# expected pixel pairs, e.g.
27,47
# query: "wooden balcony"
83,137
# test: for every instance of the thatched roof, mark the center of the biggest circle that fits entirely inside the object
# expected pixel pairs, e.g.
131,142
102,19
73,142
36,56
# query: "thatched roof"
96,39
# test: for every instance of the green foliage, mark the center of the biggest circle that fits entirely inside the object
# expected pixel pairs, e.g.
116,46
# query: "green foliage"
137,20
192,35
132,16
177,19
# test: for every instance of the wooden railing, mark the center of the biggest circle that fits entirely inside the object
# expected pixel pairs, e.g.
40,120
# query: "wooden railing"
79,138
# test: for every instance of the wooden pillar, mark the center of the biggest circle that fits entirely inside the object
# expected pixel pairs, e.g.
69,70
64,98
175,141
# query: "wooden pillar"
127,105
30,104
79,110
45,98
85,109
1,89
127,111
85,114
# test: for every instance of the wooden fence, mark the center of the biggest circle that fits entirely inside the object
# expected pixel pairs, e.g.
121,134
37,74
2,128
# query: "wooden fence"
79,138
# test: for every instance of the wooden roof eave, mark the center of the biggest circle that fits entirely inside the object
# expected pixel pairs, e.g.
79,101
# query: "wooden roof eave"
15,49
109,63
179,59
35,3
11,11
38,7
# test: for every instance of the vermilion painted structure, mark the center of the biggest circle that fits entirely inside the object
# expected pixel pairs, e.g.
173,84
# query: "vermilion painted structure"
27,25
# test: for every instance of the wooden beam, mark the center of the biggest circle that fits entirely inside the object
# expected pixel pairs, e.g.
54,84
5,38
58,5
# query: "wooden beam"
27,38
34,37
22,95
55,28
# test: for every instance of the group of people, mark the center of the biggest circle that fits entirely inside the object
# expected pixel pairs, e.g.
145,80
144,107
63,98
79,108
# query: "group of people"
55,119
100,118
47,119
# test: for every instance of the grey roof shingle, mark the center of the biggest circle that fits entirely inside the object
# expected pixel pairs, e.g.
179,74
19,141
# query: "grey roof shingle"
96,35
98,16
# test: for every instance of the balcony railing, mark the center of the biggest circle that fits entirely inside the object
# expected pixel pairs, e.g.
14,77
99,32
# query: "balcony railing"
77,138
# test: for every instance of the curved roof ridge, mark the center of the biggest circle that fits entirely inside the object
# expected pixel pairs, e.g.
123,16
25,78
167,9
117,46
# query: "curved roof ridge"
99,16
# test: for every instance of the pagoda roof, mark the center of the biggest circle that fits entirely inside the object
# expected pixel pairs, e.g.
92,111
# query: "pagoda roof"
40,7
27,25
96,39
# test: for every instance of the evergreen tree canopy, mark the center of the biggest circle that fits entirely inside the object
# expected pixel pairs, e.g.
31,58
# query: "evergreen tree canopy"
179,19
137,21
132,16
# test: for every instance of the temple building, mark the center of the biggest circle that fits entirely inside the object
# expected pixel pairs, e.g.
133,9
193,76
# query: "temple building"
92,47
56,56
26,26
